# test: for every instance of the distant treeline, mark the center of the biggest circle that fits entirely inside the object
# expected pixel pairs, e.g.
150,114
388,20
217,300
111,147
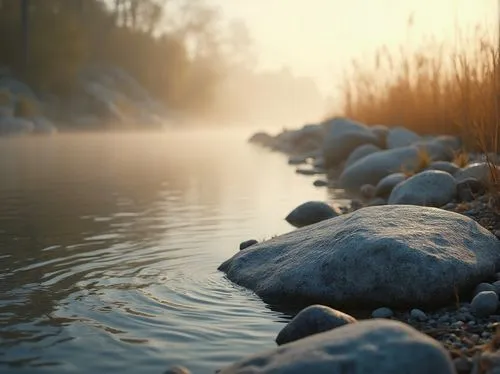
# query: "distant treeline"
179,50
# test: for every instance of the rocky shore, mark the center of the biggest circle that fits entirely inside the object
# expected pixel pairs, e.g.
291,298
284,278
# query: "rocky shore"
103,98
417,250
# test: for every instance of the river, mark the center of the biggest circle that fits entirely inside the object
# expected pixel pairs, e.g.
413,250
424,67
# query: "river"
109,247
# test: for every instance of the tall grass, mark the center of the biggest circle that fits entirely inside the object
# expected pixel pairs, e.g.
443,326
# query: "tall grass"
436,88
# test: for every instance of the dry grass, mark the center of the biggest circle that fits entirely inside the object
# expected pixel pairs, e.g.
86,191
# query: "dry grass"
434,89
423,162
461,159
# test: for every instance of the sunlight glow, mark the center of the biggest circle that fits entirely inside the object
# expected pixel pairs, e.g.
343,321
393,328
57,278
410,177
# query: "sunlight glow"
320,37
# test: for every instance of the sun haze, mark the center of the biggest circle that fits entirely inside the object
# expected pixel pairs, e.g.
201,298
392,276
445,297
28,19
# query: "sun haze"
319,38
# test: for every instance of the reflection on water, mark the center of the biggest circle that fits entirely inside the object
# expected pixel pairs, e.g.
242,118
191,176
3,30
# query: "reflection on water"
109,245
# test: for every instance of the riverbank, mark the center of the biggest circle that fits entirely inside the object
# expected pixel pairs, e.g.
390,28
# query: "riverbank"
104,98
418,244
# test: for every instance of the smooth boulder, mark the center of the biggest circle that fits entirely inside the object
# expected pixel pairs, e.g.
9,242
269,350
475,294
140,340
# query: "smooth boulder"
392,255
360,152
386,185
484,303
312,320
367,347
398,137
372,168
342,136
428,188
480,170
309,213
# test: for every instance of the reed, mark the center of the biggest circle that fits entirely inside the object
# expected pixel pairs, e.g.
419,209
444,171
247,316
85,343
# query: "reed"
433,89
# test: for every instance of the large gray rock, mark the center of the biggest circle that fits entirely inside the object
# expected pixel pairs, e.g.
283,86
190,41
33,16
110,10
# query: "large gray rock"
387,184
360,152
400,137
428,188
312,320
342,136
479,170
393,255
247,243
372,168
309,213
367,347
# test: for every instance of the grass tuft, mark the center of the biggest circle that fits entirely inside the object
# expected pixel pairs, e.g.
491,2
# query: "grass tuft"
461,159
423,162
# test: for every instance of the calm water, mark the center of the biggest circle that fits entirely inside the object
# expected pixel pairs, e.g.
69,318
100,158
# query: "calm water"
109,246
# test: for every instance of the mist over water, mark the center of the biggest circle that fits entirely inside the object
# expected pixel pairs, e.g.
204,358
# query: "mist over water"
110,245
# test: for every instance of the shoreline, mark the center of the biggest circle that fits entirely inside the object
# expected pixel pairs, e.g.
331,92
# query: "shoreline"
469,338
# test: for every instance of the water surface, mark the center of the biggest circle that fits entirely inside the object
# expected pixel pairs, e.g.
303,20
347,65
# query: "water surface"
109,245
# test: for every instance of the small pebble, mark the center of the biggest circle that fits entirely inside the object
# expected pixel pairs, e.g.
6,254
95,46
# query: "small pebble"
247,244
485,335
469,317
418,315
463,365
484,303
320,183
457,324
449,206
464,308
460,317
444,318
356,204
382,313
474,338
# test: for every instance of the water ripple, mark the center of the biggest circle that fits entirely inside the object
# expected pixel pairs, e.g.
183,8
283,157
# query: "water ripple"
109,257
